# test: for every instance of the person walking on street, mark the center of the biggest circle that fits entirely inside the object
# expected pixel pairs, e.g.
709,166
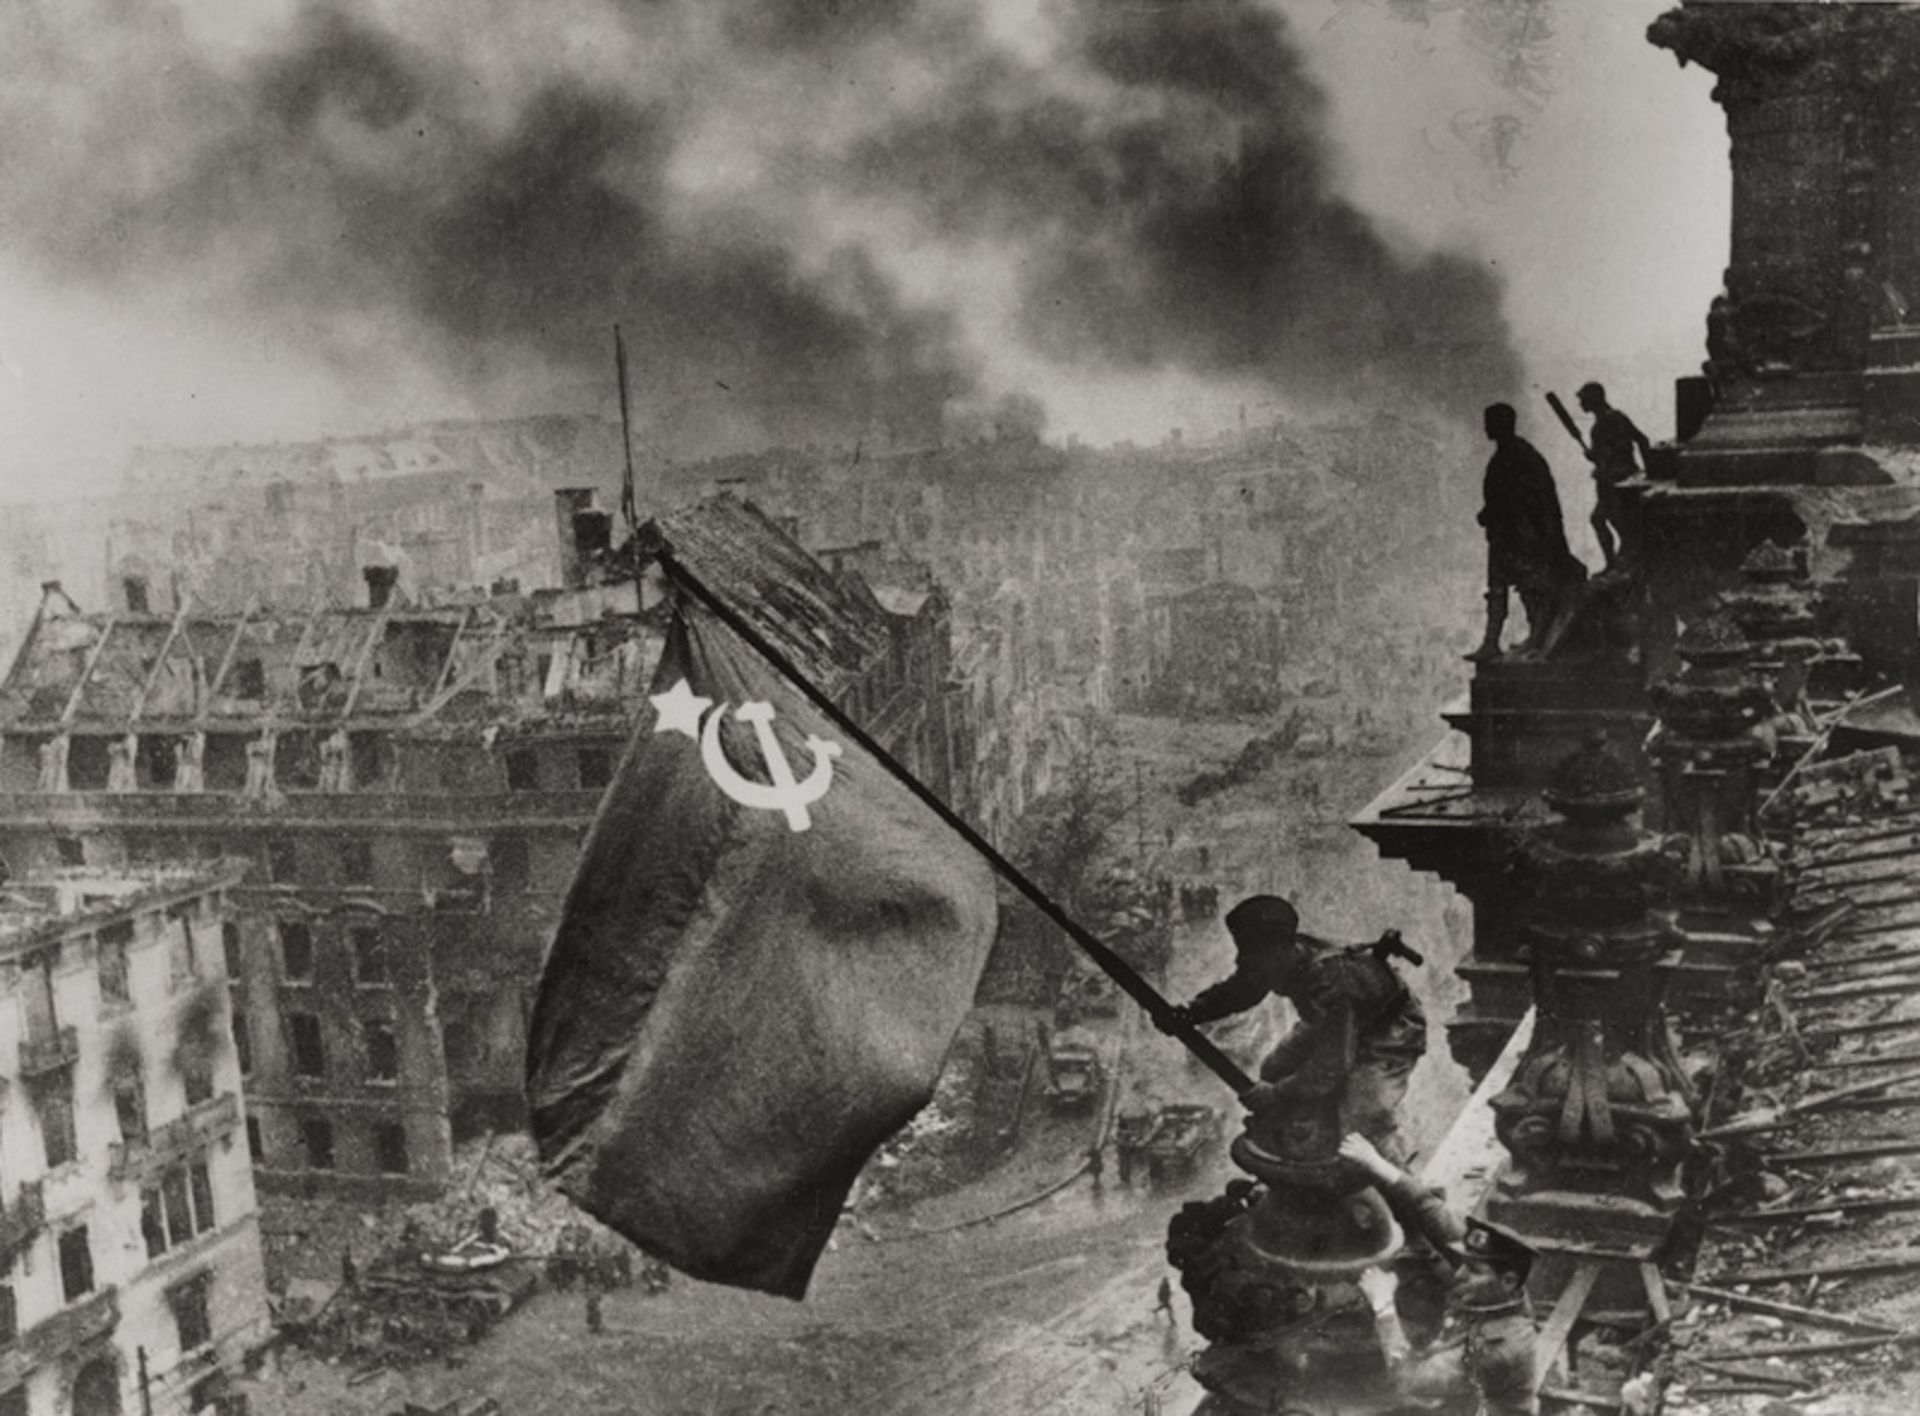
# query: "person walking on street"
1164,1303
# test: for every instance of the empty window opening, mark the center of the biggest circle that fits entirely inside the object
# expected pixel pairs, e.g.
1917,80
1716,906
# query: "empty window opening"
523,770
316,1135
596,767
76,1264
372,962
309,1051
296,951
383,1053
390,1148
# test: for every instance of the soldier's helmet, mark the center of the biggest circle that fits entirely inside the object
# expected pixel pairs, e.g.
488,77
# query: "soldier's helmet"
1498,1247
1263,922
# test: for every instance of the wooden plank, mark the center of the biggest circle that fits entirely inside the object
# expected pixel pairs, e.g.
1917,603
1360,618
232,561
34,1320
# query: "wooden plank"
1811,1349
1566,1312
1812,1317
1797,1214
1840,1154
1878,988
1850,1268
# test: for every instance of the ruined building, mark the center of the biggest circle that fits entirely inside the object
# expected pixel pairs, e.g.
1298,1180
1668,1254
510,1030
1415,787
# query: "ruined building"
130,1260
409,785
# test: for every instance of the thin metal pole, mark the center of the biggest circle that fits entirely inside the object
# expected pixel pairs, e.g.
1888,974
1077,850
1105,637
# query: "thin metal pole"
1109,963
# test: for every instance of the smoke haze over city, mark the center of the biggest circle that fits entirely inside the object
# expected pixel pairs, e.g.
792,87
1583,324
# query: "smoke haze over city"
815,223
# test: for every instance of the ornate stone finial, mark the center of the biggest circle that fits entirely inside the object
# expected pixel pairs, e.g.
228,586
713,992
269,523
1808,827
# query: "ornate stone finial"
1713,640
1594,780
1770,562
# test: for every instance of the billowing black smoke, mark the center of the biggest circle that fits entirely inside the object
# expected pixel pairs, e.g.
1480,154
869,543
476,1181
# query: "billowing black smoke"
390,193
1176,208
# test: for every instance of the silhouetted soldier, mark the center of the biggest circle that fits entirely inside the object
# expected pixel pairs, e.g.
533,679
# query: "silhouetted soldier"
1610,448
1526,541
1360,1028
1163,1303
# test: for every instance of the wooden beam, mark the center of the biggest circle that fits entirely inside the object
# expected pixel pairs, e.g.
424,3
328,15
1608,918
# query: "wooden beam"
68,713
501,639
227,658
166,648
26,642
453,647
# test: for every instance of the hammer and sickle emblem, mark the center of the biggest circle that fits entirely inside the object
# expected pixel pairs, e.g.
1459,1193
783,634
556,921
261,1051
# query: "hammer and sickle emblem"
785,793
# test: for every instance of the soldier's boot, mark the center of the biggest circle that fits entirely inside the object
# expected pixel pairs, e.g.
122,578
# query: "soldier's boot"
1496,622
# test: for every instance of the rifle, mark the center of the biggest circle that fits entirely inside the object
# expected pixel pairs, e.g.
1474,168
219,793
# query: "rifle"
1566,420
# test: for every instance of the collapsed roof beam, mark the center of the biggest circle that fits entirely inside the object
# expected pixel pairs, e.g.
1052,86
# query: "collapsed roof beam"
160,662
72,709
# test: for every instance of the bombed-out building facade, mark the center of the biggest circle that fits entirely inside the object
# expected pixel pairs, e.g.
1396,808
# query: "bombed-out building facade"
407,785
131,1267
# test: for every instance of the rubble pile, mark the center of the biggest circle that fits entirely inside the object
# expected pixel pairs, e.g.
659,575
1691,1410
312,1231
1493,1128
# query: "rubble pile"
1847,787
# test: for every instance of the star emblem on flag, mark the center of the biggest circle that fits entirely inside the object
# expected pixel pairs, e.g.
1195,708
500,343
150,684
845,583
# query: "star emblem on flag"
680,709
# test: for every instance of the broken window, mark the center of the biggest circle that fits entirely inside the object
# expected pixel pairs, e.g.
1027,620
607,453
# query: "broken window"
256,1146
76,1264
88,763
156,763
523,770
309,1052
9,1330
512,862
283,860
371,756
196,1075
72,852
189,1303
230,947
356,862
370,960
249,679
383,1053
200,1186
390,1148
316,1134
36,997
134,587
296,761
114,940
182,964
296,951
53,1104
456,1043
224,762
242,1040
130,1108
596,767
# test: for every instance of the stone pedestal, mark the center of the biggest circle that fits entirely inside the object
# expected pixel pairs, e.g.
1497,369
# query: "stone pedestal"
1597,1119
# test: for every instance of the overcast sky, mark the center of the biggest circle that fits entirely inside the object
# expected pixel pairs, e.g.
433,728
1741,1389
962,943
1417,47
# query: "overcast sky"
212,232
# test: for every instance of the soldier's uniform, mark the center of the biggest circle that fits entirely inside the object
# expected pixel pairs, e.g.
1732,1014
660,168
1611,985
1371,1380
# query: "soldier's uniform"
1487,1348
1360,1030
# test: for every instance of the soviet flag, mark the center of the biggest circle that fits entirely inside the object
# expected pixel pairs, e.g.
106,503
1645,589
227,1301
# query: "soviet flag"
766,951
